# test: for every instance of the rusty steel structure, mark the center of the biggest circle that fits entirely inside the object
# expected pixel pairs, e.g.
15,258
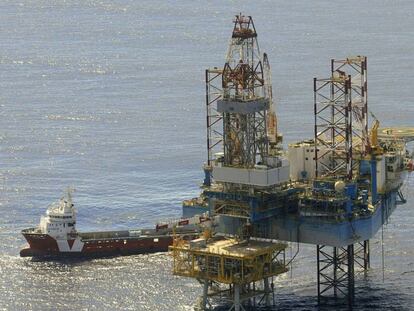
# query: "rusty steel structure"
245,103
356,68
341,118
336,268
237,271
333,139
214,118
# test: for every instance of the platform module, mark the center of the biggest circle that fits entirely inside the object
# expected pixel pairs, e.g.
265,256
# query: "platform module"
334,189
229,268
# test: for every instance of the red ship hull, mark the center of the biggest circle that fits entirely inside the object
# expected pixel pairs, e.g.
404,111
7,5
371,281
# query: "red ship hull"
114,244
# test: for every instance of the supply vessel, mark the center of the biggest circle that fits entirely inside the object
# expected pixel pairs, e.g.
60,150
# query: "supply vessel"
56,235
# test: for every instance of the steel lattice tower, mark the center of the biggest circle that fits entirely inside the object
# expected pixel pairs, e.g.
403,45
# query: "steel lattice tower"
356,67
245,100
333,126
341,118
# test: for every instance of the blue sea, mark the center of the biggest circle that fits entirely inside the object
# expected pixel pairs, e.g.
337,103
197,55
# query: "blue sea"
107,96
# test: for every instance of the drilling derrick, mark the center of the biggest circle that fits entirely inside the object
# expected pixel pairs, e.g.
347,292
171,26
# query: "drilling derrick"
250,160
244,104
243,166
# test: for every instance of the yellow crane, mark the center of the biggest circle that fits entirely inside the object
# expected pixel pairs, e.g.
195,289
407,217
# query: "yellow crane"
375,147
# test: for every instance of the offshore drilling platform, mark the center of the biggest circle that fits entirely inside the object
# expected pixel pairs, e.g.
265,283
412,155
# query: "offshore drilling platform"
335,190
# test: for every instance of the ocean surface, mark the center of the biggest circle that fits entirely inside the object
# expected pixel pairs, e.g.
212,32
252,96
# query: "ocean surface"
108,97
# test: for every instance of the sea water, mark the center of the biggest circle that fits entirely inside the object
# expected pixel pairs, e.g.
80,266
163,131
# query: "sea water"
108,97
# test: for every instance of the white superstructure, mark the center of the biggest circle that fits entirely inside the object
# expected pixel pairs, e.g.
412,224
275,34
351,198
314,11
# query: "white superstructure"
260,175
60,219
302,160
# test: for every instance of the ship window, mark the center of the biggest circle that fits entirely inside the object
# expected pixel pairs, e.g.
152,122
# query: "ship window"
306,159
70,225
156,240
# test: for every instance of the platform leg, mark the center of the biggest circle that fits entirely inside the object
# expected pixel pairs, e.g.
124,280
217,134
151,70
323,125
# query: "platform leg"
362,256
318,267
254,298
335,277
367,259
236,297
267,292
351,274
335,270
205,292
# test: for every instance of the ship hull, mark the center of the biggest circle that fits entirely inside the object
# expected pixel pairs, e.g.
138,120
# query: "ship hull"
109,245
